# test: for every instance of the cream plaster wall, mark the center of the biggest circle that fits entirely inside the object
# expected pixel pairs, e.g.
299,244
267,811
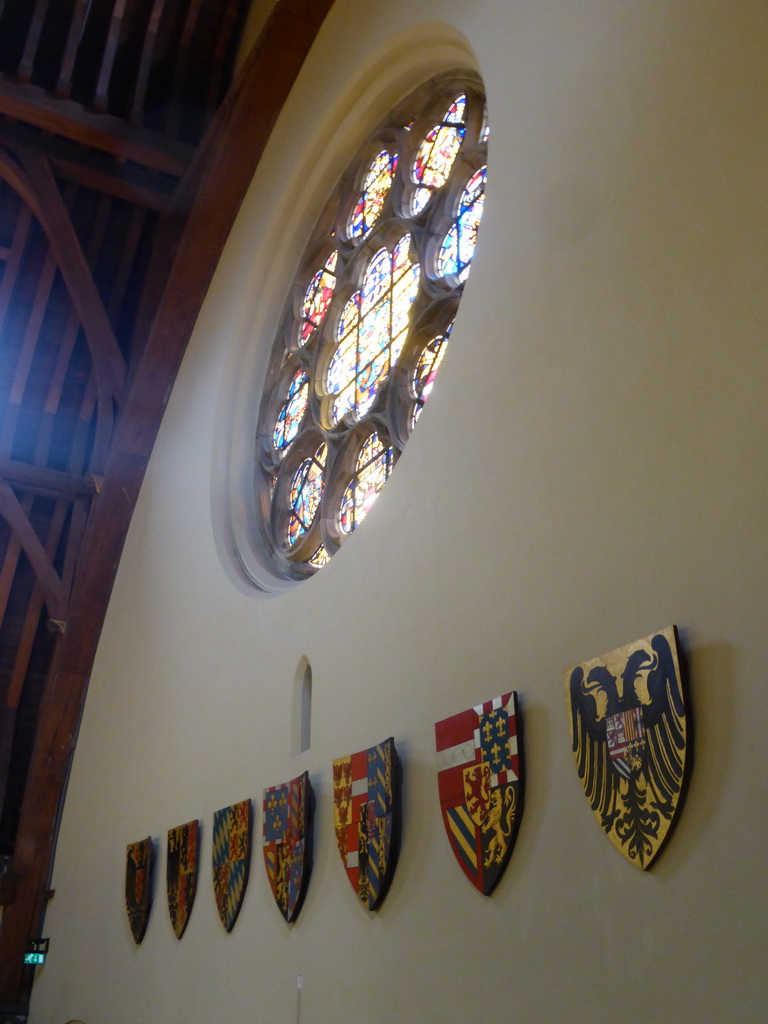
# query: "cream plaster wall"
591,467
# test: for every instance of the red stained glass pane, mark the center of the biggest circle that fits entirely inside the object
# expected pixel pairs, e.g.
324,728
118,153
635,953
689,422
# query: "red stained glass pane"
377,184
437,153
317,299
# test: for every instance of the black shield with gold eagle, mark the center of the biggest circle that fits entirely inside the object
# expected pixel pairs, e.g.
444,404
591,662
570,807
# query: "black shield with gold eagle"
629,733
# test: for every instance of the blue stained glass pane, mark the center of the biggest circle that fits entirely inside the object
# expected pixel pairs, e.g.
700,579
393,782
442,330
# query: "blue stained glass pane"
458,246
372,330
306,492
377,279
292,412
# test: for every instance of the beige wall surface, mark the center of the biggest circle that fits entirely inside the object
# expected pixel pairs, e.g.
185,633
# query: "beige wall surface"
591,467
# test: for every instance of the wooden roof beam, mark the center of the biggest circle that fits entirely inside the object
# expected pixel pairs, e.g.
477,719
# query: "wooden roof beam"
51,482
47,577
95,170
218,183
110,134
47,202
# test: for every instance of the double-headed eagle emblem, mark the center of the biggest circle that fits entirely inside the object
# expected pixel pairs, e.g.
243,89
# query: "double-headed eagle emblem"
628,727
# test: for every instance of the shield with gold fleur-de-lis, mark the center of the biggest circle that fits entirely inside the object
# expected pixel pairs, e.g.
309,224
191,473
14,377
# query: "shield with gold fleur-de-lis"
138,886
287,835
231,859
366,817
629,738
479,780
181,873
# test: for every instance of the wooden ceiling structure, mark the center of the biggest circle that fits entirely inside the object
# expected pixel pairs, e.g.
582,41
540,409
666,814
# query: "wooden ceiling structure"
125,151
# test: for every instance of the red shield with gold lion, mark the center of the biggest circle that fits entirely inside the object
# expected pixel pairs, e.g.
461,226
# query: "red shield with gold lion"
480,786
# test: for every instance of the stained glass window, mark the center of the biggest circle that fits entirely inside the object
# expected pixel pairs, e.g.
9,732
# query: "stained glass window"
437,153
320,558
458,246
317,299
306,491
374,464
372,330
373,195
426,370
367,323
290,416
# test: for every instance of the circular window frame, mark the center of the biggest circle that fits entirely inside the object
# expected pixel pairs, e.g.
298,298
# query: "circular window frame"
428,294
242,509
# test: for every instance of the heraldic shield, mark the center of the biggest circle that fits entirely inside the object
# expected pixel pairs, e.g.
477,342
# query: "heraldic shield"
287,834
479,781
138,886
628,726
231,859
181,873
366,816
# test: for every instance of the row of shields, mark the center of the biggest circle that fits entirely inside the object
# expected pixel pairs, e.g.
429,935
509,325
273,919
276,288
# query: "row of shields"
628,728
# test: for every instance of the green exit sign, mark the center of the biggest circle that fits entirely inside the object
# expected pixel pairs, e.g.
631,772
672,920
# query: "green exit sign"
34,958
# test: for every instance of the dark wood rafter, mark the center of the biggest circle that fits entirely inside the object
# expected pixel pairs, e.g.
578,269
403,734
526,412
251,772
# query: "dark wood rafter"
145,63
63,87
182,57
47,577
40,189
187,247
13,262
41,480
101,98
226,28
104,132
24,72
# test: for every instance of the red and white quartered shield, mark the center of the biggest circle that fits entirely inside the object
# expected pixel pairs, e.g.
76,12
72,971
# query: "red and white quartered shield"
479,779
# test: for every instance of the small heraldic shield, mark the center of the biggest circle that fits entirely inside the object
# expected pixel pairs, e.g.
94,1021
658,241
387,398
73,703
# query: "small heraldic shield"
287,842
138,886
181,873
628,729
231,859
479,781
366,816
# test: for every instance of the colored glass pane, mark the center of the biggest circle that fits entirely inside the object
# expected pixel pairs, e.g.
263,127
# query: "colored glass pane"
306,492
377,183
374,464
292,412
458,246
437,153
372,330
317,299
320,557
353,323
426,370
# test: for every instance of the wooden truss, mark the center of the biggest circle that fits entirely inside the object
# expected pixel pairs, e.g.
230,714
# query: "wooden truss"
123,162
